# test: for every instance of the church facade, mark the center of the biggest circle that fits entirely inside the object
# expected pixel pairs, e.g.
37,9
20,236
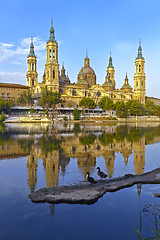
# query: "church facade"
86,85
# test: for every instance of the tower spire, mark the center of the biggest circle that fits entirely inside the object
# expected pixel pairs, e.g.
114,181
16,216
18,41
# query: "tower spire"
86,53
139,56
86,60
110,62
31,53
52,38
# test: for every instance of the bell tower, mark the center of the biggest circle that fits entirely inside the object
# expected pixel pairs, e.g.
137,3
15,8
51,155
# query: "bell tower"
110,72
32,68
139,77
52,66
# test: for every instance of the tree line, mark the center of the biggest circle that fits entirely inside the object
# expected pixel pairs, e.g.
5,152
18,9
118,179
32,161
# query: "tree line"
49,99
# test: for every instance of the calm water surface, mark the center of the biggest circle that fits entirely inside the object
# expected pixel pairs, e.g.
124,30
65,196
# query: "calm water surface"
35,156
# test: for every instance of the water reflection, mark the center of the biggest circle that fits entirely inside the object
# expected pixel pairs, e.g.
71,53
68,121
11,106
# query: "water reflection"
57,145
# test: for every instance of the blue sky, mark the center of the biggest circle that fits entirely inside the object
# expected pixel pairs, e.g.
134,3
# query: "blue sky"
98,26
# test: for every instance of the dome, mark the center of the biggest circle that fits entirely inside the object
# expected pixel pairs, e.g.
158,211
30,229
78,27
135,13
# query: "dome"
87,70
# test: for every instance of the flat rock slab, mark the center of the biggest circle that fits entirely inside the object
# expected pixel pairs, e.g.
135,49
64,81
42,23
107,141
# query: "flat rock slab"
86,193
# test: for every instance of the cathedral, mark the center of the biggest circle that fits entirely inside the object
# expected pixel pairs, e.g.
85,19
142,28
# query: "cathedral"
86,86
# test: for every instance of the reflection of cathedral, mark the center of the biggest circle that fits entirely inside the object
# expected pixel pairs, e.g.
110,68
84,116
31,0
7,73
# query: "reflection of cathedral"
85,148
86,85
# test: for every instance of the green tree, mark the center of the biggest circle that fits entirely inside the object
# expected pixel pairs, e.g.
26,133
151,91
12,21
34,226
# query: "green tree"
2,104
103,101
121,109
76,114
5,106
87,102
134,107
25,98
2,117
107,104
49,99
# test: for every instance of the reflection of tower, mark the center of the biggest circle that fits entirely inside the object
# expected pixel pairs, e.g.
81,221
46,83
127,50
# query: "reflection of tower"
126,150
139,186
52,209
109,160
32,172
63,162
51,163
139,155
86,164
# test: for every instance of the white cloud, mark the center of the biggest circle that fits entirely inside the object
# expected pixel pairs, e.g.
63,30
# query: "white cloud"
14,54
14,77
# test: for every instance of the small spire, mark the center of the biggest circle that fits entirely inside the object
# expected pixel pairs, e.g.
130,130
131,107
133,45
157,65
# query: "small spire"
86,53
63,70
126,79
86,60
139,56
52,38
110,62
31,53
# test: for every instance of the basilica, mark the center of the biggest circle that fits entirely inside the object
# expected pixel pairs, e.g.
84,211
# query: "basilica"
86,85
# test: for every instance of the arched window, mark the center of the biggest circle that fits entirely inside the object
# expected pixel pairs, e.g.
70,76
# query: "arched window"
98,94
139,68
53,54
32,66
53,74
32,82
73,93
50,54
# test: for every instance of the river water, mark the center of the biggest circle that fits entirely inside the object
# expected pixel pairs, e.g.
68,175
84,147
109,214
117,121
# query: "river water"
33,156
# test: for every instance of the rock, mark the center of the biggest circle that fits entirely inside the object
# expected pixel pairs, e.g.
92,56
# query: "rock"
86,193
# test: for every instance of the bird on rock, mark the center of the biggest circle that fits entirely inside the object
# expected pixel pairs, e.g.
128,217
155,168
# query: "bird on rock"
90,179
101,174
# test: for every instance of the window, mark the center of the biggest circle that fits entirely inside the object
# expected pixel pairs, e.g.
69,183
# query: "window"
53,54
50,54
73,93
8,95
32,66
98,94
32,82
3,94
139,68
53,74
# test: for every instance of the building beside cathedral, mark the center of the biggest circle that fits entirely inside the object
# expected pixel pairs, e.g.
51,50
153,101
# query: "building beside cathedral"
86,85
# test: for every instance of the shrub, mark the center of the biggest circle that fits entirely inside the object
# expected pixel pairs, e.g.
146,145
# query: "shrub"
65,118
2,117
76,114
